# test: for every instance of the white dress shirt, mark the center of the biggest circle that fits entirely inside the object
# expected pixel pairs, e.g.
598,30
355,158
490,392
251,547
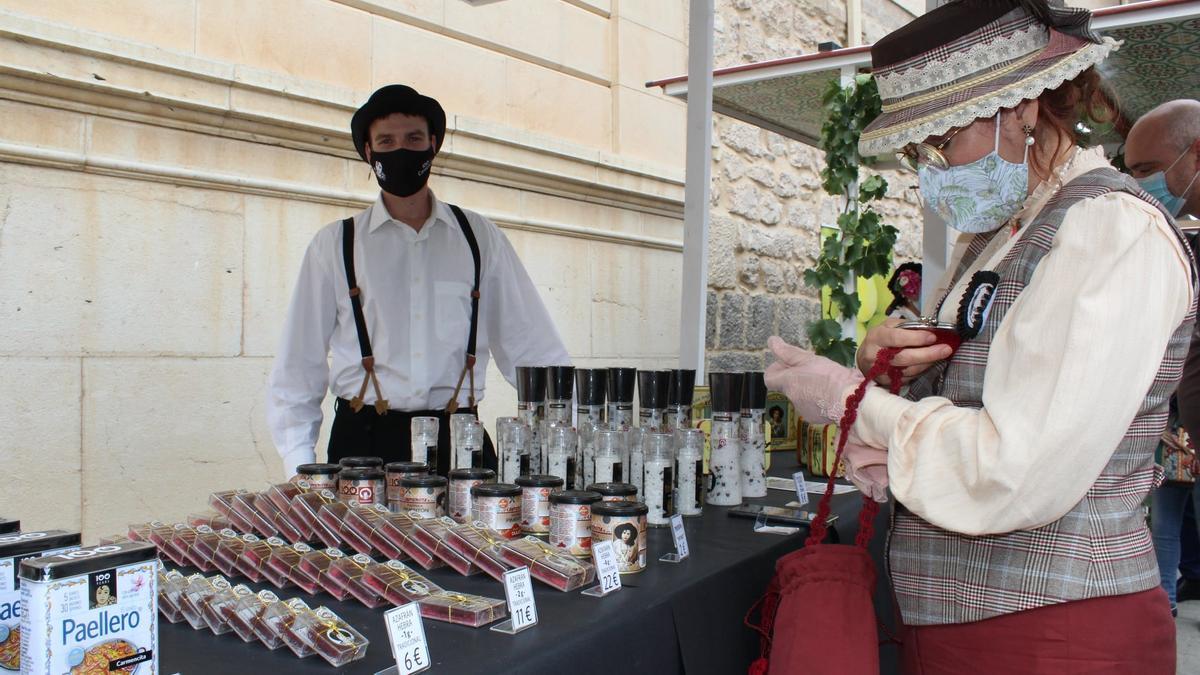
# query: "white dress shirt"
416,297
1069,367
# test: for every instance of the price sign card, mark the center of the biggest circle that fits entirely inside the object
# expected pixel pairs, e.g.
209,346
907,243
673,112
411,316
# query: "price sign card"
801,488
407,636
607,573
518,590
681,544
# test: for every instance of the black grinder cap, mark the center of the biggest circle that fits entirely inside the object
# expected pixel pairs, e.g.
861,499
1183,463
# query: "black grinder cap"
754,391
683,387
726,392
653,387
531,384
590,386
620,384
559,381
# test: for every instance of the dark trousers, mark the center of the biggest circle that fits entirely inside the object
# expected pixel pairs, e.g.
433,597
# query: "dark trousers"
368,434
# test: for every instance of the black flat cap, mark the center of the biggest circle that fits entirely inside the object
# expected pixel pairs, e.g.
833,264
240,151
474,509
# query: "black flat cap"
396,98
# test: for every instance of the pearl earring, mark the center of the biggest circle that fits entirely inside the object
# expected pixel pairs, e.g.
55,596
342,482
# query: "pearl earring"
1028,131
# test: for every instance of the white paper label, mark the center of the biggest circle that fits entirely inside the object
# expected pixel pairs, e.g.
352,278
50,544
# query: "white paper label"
407,636
801,488
518,589
607,572
680,536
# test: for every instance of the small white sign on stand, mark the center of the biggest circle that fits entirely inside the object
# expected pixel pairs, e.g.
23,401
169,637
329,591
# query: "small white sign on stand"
608,575
801,488
681,544
522,612
406,634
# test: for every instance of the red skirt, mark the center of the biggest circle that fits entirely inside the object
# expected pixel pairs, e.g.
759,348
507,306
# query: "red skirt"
1132,633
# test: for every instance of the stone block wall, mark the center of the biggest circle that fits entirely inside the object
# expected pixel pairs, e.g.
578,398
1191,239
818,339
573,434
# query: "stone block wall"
767,200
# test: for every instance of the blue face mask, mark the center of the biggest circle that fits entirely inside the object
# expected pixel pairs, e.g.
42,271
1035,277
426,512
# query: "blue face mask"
980,196
1156,185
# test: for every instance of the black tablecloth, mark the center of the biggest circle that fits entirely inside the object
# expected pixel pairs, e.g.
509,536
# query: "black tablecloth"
672,618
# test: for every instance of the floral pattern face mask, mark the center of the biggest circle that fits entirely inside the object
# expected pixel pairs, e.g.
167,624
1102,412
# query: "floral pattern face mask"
980,196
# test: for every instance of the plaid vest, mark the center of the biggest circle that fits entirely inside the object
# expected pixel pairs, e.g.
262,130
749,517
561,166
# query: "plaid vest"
1101,547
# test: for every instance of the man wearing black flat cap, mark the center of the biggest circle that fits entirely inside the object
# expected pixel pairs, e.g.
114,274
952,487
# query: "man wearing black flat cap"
410,296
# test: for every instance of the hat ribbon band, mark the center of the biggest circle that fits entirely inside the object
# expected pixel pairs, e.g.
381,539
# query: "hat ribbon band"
959,86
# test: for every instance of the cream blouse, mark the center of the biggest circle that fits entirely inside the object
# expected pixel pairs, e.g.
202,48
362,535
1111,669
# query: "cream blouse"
1068,369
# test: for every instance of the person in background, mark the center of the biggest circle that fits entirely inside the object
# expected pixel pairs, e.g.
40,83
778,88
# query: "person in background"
1018,462
410,295
1162,151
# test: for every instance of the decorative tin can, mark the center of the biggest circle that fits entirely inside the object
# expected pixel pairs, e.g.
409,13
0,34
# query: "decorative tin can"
615,492
624,524
461,482
361,463
364,486
498,505
94,610
535,502
424,496
398,470
319,476
571,521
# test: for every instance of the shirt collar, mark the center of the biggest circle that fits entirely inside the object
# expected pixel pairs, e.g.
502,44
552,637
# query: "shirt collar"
380,216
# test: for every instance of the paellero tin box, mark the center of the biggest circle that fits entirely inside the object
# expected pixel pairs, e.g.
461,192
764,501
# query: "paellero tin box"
91,610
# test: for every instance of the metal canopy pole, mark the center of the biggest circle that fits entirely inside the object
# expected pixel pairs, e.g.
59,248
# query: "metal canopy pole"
935,253
697,188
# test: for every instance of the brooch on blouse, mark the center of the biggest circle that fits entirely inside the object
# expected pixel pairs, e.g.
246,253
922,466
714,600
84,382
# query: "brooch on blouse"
976,303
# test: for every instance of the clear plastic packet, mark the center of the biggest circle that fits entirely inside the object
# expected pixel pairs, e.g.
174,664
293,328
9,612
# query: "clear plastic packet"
315,564
483,546
278,617
332,638
285,561
398,528
348,571
549,565
433,533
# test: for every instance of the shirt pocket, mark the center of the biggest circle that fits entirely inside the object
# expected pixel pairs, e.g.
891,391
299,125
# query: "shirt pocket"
452,312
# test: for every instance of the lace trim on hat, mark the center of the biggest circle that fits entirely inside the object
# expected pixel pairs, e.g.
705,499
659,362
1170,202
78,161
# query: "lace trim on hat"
891,137
958,65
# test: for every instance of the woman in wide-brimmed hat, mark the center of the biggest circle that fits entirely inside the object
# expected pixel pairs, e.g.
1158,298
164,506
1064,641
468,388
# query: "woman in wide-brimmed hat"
1019,462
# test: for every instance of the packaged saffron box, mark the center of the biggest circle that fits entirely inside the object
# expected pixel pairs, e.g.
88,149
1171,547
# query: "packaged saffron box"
326,633
13,549
277,618
251,610
348,572
483,546
399,584
433,534
548,564
399,528
93,610
367,523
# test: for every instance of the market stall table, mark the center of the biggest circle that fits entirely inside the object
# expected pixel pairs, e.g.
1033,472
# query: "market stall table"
672,618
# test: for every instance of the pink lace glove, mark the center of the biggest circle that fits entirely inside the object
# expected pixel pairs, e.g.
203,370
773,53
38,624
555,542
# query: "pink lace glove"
817,386
866,467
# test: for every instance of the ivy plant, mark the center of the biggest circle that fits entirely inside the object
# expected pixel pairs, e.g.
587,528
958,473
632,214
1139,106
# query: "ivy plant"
863,244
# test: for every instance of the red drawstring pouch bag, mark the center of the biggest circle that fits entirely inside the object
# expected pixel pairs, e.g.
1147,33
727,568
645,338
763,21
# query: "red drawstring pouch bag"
834,582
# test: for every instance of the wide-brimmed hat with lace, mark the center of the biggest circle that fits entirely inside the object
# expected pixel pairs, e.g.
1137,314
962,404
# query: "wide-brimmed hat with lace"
970,58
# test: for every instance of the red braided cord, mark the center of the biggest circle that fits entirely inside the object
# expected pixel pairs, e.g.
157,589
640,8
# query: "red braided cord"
866,517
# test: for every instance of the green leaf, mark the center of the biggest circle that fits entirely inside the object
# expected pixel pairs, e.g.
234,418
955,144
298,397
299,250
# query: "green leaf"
842,351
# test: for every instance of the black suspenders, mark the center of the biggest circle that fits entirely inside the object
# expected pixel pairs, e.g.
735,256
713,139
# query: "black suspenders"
360,321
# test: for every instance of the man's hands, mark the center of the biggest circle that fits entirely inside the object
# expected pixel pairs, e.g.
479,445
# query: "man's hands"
917,349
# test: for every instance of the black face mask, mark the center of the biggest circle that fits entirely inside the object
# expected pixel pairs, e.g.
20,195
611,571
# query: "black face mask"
402,172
